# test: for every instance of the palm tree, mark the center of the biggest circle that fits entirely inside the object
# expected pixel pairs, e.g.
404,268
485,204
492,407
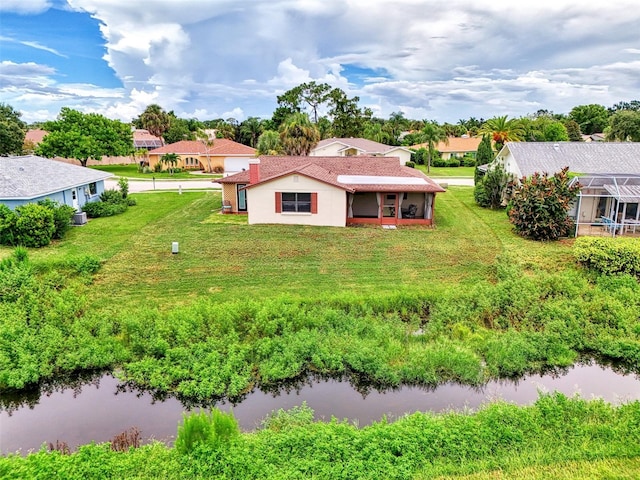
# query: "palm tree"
432,134
503,130
155,120
269,143
298,135
250,131
170,159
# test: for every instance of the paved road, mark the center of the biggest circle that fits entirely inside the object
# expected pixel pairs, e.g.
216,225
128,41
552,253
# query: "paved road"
136,186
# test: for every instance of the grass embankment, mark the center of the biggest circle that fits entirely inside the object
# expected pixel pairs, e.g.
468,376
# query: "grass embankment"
572,438
131,171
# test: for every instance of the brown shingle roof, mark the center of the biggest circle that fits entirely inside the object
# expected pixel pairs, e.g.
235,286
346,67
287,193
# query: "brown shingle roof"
327,170
221,146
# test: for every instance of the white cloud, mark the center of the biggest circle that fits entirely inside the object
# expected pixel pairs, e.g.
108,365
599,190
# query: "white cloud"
439,59
24,6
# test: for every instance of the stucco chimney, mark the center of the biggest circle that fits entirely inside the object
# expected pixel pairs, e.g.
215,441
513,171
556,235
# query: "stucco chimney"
254,171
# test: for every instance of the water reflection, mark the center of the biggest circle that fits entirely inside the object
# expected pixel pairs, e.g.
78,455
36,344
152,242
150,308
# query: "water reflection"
98,407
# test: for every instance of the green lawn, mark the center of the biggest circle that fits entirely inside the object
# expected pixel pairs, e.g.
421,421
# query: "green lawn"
223,258
131,171
462,172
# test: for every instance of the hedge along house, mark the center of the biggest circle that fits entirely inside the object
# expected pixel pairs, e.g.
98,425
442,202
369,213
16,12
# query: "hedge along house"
331,191
608,174
222,156
28,179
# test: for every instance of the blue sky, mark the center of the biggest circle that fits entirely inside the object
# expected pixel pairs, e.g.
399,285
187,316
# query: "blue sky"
430,59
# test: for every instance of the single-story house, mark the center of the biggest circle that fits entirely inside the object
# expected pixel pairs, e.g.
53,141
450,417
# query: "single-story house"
223,156
28,179
348,147
456,147
608,172
331,191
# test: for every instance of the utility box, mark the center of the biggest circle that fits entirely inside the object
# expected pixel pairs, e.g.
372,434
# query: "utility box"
80,218
174,248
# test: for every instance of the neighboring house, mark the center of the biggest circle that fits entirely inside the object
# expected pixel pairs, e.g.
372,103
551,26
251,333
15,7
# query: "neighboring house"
222,156
594,137
608,172
331,191
348,147
142,139
457,147
28,179
35,136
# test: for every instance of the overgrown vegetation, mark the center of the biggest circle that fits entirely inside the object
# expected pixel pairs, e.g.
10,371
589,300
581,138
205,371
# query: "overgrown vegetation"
491,189
609,255
555,431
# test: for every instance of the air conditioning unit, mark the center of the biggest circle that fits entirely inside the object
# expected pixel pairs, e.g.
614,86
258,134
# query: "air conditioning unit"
80,218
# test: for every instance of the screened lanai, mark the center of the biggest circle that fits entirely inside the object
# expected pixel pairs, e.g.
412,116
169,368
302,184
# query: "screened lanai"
607,205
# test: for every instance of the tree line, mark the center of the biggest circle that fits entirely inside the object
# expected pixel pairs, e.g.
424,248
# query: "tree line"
304,115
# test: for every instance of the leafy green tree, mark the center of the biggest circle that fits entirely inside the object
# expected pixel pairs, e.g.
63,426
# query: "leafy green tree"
555,131
632,105
592,118
313,94
12,130
375,131
573,131
349,120
503,130
624,126
432,134
179,129
298,135
154,119
269,143
85,136
539,206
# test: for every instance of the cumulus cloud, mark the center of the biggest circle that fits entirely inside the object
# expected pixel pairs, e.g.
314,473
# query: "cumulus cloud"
443,59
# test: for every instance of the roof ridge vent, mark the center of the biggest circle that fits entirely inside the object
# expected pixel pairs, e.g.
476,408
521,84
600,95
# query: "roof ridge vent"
556,146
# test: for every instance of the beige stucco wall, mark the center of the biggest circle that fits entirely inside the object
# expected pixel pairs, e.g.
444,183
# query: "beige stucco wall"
215,161
332,202
404,155
510,165
328,151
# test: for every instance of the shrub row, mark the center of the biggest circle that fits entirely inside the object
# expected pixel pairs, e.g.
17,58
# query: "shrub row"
34,224
609,255
112,202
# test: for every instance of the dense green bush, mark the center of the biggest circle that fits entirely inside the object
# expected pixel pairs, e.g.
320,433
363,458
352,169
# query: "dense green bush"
7,226
35,225
539,206
491,188
198,429
609,255
62,215
411,164
112,202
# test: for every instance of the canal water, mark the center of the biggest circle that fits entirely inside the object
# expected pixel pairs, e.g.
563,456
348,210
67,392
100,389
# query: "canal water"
101,408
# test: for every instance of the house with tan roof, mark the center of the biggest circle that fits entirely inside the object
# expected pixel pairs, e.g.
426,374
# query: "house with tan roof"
331,191
348,147
142,139
457,147
222,156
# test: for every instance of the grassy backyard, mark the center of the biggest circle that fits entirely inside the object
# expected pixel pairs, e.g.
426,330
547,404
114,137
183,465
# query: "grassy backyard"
223,258
436,172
